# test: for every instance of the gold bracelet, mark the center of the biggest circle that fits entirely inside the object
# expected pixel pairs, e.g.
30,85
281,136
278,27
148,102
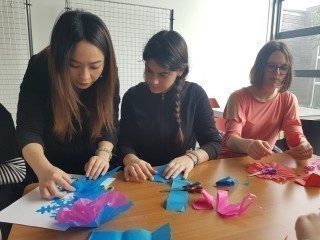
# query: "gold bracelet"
104,150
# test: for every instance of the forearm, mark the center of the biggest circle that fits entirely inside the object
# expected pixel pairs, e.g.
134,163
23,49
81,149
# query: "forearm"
238,144
34,155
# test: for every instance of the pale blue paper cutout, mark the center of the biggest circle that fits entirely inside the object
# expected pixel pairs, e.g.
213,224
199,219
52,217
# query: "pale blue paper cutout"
159,178
85,188
162,233
177,200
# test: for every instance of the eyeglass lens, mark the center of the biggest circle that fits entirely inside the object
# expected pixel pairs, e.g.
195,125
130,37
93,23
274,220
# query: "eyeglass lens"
273,67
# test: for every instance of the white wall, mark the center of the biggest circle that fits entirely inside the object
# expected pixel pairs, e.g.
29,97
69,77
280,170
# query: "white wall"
223,37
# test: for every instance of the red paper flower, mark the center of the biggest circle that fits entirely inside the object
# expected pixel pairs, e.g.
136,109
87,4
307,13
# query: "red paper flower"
284,173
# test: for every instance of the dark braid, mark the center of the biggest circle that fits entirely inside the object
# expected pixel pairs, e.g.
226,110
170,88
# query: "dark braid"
178,90
170,51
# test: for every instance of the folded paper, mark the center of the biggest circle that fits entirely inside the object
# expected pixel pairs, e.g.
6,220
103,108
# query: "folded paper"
222,204
92,204
86,188
177,200
227,181
293,140
232,210
284,173
204,203
312,180
162,233
159,178
92,213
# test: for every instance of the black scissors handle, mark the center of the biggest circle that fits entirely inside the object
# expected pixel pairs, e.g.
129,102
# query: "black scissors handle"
194,189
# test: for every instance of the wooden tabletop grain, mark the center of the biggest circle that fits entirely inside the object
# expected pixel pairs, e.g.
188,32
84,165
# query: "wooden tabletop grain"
281,205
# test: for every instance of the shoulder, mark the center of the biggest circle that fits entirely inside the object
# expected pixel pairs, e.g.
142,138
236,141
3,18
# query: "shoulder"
40,60
242,93
3,110
137,90
38,71
193,86
192,89
288,97
4,113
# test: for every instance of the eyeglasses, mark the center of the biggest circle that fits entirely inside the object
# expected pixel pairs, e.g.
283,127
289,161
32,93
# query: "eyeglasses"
283,69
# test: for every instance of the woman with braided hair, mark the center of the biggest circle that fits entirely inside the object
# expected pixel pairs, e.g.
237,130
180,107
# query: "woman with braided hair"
163,117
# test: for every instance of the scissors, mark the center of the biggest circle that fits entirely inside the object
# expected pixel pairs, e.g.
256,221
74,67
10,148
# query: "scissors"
191,188
270,171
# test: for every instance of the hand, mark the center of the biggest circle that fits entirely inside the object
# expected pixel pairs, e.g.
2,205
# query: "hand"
301,152
258,149
181,164
96,166
308,227
50,179
138,170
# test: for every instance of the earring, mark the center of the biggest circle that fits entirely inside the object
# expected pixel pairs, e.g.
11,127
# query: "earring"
101,76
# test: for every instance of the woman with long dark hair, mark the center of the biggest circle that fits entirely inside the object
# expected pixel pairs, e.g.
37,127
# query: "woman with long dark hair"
163,117
67,117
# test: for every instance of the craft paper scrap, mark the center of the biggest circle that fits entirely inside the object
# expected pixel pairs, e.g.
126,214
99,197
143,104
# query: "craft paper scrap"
232,210
284,173
293,140
92,213
312,180
316,163
227,181
159,178
91,189
177,200
162,233
32,210
204,203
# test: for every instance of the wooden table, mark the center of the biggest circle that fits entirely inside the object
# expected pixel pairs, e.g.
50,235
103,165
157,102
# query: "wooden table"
282,204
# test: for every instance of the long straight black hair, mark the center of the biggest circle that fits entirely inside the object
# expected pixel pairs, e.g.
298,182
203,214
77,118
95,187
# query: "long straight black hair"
71,28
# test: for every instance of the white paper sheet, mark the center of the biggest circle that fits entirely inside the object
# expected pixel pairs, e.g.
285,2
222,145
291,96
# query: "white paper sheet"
23,211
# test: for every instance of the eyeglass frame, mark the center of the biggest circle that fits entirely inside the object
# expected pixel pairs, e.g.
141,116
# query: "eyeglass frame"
283,69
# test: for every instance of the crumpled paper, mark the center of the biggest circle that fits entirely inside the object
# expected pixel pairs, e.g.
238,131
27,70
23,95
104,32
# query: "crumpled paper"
92,213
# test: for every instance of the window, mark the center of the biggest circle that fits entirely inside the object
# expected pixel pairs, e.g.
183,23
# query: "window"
297,23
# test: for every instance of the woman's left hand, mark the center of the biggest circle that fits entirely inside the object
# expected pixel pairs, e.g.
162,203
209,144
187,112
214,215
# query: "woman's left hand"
301,152
96,166
180,164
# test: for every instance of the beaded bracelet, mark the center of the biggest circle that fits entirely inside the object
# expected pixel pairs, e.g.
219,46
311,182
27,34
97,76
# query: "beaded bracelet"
196,155
194,162
104,150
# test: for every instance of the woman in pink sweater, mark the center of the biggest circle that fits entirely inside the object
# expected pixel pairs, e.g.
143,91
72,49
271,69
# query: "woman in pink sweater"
256,114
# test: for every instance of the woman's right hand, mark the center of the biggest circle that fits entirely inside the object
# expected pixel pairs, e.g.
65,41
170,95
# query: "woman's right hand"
52,177
138,170
258,149
308,227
